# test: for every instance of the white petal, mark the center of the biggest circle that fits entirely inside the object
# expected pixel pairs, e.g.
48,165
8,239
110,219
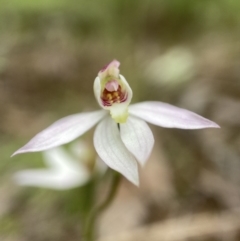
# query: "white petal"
58,159
47,179
113,152
169,116
97,90
62,131
138,138
63,172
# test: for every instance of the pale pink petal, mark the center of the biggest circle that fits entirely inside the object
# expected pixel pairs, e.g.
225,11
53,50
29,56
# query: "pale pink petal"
113,152
169,116
138,138
62,131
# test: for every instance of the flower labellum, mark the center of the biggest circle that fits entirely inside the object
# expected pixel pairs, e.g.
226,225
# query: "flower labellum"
113,92
124,139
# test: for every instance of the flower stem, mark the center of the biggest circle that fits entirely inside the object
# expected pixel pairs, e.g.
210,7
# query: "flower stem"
90,224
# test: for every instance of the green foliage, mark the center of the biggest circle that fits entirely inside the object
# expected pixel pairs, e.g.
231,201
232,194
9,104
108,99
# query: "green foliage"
121,18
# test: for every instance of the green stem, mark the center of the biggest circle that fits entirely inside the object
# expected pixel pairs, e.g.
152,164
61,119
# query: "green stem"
90,224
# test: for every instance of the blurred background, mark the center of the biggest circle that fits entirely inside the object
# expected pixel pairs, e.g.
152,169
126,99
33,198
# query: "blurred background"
183,52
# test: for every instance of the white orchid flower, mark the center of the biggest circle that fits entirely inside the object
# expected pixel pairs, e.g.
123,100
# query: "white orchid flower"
64,170
122,138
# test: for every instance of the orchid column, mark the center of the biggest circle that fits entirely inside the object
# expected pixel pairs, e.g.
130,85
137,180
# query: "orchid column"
113,92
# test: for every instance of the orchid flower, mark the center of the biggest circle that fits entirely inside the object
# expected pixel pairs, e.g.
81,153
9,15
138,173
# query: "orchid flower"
122,138
65,170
